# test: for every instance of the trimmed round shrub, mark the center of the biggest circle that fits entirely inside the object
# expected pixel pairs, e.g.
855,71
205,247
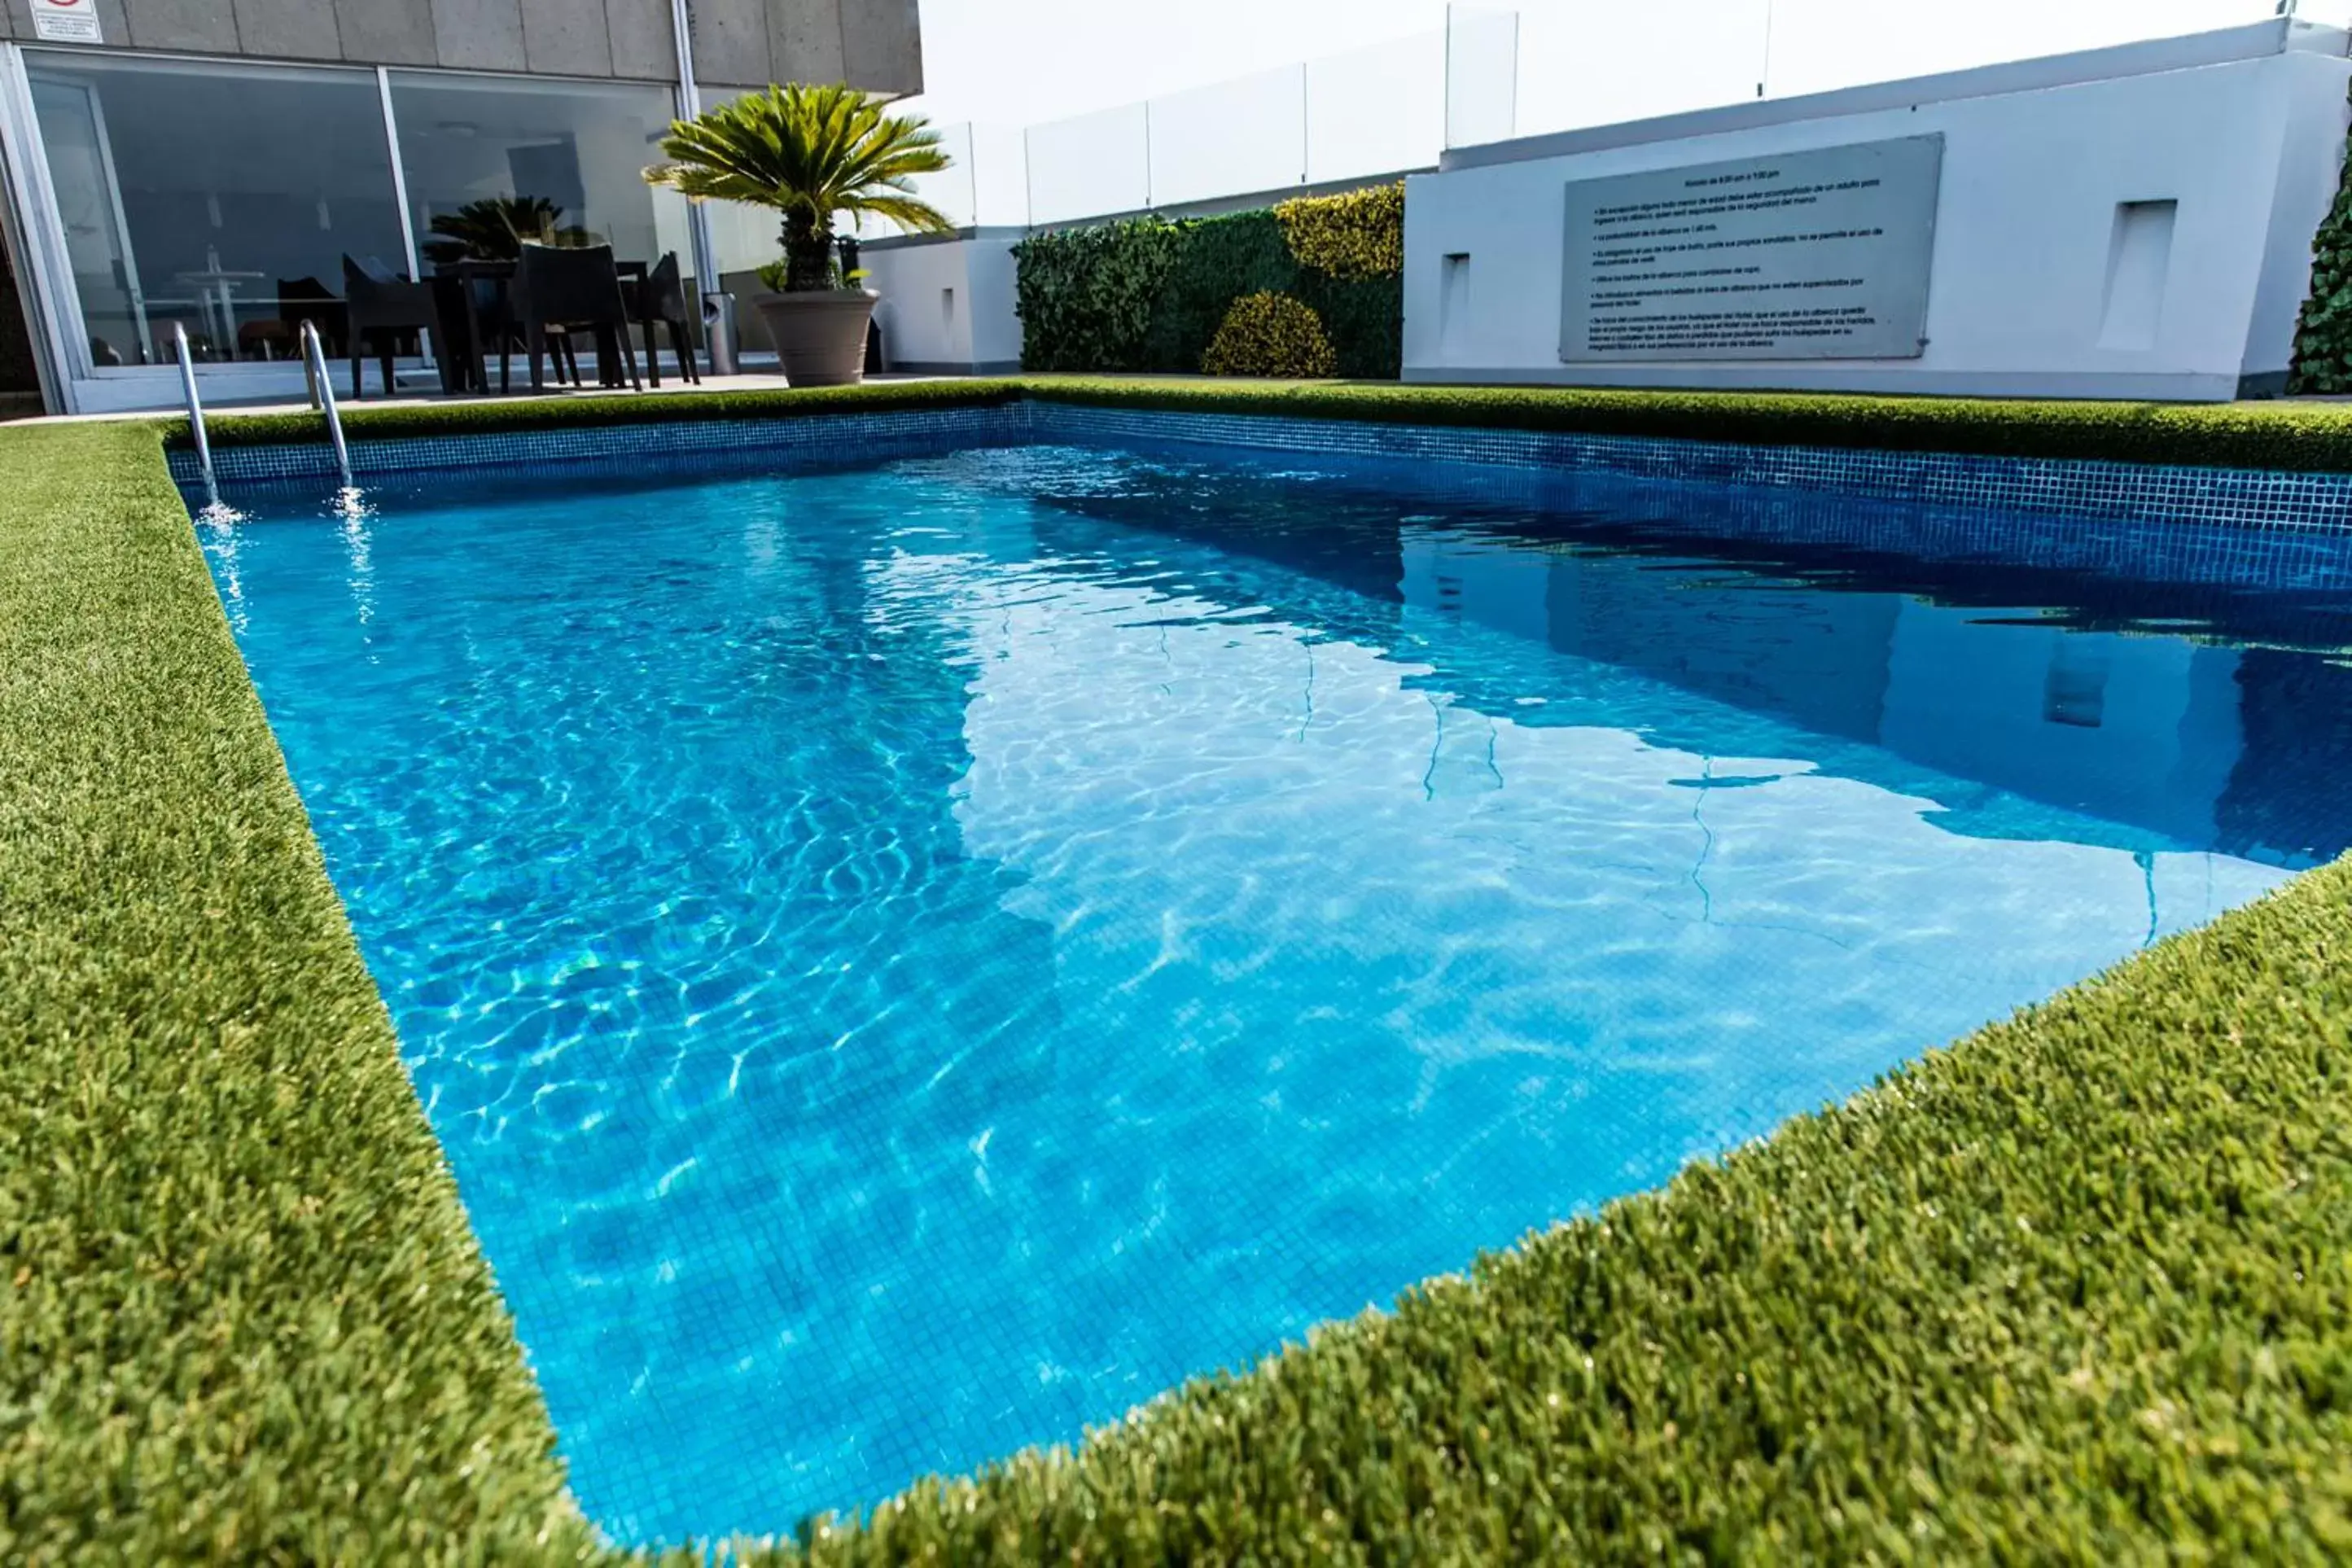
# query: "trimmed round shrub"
1267,334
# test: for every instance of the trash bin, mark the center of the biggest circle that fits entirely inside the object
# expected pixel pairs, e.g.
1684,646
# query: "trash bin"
718,332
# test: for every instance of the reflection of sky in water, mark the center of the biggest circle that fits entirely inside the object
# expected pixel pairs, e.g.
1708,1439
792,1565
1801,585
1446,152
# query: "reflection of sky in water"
1476,885
908,963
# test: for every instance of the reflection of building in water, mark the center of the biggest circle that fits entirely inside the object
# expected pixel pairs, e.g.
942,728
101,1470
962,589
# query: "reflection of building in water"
2189,742
2288,793
1818,659
1452,855
2135,729
1894,660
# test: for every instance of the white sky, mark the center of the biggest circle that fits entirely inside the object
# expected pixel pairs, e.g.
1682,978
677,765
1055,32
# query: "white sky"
1015,62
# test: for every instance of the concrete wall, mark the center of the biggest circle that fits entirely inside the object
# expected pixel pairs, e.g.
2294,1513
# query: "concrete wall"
947,300
874,44
2035,166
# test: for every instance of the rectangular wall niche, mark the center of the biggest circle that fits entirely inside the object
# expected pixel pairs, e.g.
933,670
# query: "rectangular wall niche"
2139,258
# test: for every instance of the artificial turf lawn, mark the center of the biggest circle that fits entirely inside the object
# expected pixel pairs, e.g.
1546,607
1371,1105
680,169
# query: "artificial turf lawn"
242,1316
2078,1288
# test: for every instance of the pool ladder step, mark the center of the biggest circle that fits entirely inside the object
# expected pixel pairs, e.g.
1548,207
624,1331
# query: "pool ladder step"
322,395
196,431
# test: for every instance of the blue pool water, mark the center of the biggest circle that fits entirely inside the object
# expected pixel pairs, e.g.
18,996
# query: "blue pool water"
909,962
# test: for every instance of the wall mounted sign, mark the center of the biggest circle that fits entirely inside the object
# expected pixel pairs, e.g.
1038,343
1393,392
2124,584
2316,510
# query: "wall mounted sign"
1820,254
66,21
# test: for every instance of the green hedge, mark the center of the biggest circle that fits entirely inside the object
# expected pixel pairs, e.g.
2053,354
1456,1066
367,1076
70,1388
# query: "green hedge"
1149,294
2323,335
1268,334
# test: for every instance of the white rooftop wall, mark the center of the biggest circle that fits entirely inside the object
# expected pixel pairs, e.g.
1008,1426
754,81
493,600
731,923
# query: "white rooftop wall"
2242,130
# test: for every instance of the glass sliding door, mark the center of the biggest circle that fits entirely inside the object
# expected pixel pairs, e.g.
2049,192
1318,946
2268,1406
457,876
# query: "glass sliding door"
220,198
492,162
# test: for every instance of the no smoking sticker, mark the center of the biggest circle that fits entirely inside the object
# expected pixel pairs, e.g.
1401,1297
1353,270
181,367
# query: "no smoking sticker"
66,21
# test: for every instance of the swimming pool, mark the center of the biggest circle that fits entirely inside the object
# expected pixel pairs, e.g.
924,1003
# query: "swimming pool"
908,961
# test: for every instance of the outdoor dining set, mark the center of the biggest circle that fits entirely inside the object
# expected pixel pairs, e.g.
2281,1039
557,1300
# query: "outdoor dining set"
544,301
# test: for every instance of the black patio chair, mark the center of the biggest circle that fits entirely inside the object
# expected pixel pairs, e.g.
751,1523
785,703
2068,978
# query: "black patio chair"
479,314
660,298
572,288
384,304
303,299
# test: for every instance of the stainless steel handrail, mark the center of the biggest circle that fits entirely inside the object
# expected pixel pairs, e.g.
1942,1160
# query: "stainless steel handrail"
196,416
322,395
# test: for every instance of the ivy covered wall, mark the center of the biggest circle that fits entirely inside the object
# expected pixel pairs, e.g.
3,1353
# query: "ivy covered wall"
1310,286
2323,336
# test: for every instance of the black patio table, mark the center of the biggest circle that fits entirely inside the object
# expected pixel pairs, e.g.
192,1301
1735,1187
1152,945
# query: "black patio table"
460,306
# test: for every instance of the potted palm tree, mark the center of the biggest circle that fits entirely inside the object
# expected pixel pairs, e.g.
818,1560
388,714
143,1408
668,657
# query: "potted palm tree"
811,153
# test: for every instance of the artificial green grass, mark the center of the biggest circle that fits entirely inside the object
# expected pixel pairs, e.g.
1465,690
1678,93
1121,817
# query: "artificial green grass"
2079,1287
242,1316
2294,436
2305,437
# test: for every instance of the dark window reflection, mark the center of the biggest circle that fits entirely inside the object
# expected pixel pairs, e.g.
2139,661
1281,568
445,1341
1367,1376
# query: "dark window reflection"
219,198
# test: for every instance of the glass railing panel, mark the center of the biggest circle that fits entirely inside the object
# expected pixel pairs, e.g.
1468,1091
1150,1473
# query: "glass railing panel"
1089,164
1482,53
1229,138
1379,110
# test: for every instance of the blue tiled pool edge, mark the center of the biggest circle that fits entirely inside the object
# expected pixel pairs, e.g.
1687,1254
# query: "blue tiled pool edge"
2236,498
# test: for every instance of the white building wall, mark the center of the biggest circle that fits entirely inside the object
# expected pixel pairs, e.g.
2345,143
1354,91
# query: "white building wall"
2027,227
947,302
995,319
2311,157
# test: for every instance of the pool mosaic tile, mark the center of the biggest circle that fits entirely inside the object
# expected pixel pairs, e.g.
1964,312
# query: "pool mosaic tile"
2235,497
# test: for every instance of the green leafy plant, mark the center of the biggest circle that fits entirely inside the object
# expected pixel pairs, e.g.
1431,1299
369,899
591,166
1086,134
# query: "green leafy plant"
496,228
1267,334
1087,297
1356,234
1148,294
811,153
2323,335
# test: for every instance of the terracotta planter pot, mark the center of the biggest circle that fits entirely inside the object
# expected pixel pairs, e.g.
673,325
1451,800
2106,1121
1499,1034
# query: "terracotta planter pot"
820,336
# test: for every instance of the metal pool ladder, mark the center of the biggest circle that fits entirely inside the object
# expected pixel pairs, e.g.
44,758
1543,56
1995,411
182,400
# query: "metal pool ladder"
196,418
322,395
